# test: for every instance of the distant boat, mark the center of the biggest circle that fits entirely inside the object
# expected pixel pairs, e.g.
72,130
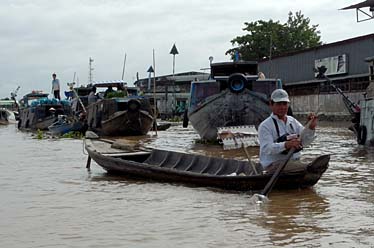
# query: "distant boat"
120,116
11,105
233,97
36,111
6,116
119,113
66,124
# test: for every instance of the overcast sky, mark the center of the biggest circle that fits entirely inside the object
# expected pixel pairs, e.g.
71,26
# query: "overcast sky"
41,37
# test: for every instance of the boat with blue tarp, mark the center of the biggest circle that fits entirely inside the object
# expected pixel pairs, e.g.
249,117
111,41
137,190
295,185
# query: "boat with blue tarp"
37,111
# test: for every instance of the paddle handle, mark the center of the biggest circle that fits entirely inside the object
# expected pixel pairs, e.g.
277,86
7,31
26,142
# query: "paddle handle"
269,186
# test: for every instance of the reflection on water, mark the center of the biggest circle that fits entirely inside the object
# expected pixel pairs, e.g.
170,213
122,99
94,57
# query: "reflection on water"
49,199
293,221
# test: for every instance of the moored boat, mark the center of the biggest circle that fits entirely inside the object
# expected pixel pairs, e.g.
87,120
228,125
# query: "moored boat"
234,97
36,111
119,115
365,132
66,124
11,105
198,170
6,116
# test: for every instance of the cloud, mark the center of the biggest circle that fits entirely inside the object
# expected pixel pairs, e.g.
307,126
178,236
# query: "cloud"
41,37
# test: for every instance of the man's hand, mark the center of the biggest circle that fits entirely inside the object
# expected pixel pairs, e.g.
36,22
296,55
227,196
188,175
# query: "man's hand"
294,143
312,116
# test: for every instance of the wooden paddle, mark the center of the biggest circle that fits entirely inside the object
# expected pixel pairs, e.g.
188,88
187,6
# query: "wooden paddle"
269,186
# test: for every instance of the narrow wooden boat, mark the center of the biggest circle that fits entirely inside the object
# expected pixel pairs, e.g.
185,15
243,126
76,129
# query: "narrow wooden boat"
198,170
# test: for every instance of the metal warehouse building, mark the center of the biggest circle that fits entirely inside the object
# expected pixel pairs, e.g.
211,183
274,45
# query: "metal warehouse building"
348,66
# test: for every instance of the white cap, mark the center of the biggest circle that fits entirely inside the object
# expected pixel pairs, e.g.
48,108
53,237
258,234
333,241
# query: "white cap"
279,95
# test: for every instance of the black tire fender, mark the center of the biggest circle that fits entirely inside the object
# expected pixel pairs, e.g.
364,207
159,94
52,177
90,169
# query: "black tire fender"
133,105
237,82
362,135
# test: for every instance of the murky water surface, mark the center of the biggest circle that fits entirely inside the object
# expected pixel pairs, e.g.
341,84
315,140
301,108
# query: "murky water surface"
49,199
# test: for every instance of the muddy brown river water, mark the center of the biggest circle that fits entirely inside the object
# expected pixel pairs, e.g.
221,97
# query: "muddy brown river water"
49,199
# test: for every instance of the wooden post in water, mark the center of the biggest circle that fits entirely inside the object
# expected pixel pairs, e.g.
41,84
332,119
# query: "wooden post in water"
88,162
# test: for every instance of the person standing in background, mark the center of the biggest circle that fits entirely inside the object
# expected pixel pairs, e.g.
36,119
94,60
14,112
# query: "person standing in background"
56,86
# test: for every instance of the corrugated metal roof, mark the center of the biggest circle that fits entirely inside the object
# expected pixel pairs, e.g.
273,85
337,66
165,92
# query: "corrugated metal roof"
333,44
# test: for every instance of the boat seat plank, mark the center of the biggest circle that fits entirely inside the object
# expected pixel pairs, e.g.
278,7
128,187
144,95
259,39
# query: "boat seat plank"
123,154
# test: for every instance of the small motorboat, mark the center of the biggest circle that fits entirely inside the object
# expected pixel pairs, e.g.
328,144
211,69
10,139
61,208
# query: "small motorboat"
64,124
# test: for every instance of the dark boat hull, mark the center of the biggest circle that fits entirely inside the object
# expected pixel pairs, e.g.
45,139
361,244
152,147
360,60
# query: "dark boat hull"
205,171
127,123
229,109
32,122
120,117
60,128
40,117
4,117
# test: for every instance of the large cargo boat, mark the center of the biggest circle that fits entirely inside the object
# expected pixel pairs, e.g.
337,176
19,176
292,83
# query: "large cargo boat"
37,111
234,96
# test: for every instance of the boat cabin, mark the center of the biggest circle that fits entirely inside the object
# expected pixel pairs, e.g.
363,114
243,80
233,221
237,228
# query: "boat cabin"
9,104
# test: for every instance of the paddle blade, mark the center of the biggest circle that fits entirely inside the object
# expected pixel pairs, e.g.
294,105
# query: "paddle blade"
258,199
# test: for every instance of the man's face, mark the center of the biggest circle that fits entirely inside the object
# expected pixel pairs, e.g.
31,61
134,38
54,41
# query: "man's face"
279,108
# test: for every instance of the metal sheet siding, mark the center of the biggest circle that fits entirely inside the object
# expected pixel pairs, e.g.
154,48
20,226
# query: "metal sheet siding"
299,66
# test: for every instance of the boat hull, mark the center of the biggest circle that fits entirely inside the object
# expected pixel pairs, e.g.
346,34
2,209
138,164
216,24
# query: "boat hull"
365,133
127,123
4,117
60,128
229,109
42,113
120,117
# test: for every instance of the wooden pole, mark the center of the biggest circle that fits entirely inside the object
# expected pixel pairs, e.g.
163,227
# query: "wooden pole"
154,93
88,164
124,66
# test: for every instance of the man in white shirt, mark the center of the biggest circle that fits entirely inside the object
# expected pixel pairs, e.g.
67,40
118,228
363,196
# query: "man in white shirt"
92,97
280,132
56,87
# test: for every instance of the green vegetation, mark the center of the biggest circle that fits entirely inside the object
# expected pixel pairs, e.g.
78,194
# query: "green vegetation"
116,94
175,119
269,38
39,134
73,135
